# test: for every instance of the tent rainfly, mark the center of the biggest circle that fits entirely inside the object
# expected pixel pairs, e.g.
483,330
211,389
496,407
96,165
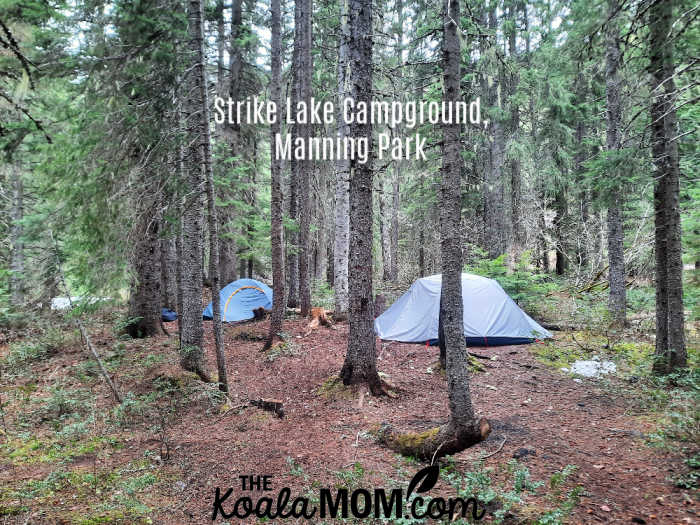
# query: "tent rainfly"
239,299
491,317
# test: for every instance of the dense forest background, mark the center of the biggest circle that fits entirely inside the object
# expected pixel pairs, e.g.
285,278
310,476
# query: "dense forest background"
94,123
580,197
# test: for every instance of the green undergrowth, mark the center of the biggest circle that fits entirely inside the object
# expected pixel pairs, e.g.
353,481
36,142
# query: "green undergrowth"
285,348
118,495
68,446
666,404
506,491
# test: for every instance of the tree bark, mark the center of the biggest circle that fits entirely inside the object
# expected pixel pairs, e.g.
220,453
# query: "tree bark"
360,364
227,245
384,237
168,261
561,214
396,172
394,232
145,300
517,229
179,248
342,176
191,329
421,234
583,257
616,256
304,33
213,224
670,352
294,167
493,187
276,198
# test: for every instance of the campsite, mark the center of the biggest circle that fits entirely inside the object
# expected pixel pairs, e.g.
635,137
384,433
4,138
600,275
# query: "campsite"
348,261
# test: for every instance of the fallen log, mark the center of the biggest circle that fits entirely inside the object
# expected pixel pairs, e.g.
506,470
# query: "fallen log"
558,327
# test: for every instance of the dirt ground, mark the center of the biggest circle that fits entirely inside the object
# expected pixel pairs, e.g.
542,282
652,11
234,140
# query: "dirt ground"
560,421
546,418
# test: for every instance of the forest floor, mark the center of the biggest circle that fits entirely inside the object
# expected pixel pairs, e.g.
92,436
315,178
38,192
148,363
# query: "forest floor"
69,455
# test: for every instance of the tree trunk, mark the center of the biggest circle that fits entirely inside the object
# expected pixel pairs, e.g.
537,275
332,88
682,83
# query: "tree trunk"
517,230
493,187
421,236
583,235
276,198
227,255
168,261
213,223
396,172
516,219
394,240
17,258
670,353
305,166
463,428
180,210
294,173
191,330
145,300
384,237
228,250
616,256
560,225
236,66
342,176
360,364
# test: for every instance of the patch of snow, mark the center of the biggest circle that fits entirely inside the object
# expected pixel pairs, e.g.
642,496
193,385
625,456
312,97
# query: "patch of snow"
592,368
63,303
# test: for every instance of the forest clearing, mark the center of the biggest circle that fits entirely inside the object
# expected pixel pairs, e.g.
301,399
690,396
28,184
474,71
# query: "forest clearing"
318,261
624,441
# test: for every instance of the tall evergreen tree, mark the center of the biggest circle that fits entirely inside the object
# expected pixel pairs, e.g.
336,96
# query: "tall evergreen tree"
191,329
276,229
616,254
304,33
360,364
670,353
342,175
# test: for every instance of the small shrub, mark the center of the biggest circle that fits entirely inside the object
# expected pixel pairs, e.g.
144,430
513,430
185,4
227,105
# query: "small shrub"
281,349
64,404
23,353
510,496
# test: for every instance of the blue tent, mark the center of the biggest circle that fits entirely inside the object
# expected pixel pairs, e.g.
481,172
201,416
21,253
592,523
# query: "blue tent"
239,299
490,317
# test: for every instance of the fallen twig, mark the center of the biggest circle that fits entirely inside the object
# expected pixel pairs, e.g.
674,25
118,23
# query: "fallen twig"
83,331
494,453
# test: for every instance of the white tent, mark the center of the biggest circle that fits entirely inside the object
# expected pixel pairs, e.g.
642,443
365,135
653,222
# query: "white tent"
491,317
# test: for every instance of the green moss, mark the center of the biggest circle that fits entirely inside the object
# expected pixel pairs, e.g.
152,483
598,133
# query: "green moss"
412,441
333,388
474,365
